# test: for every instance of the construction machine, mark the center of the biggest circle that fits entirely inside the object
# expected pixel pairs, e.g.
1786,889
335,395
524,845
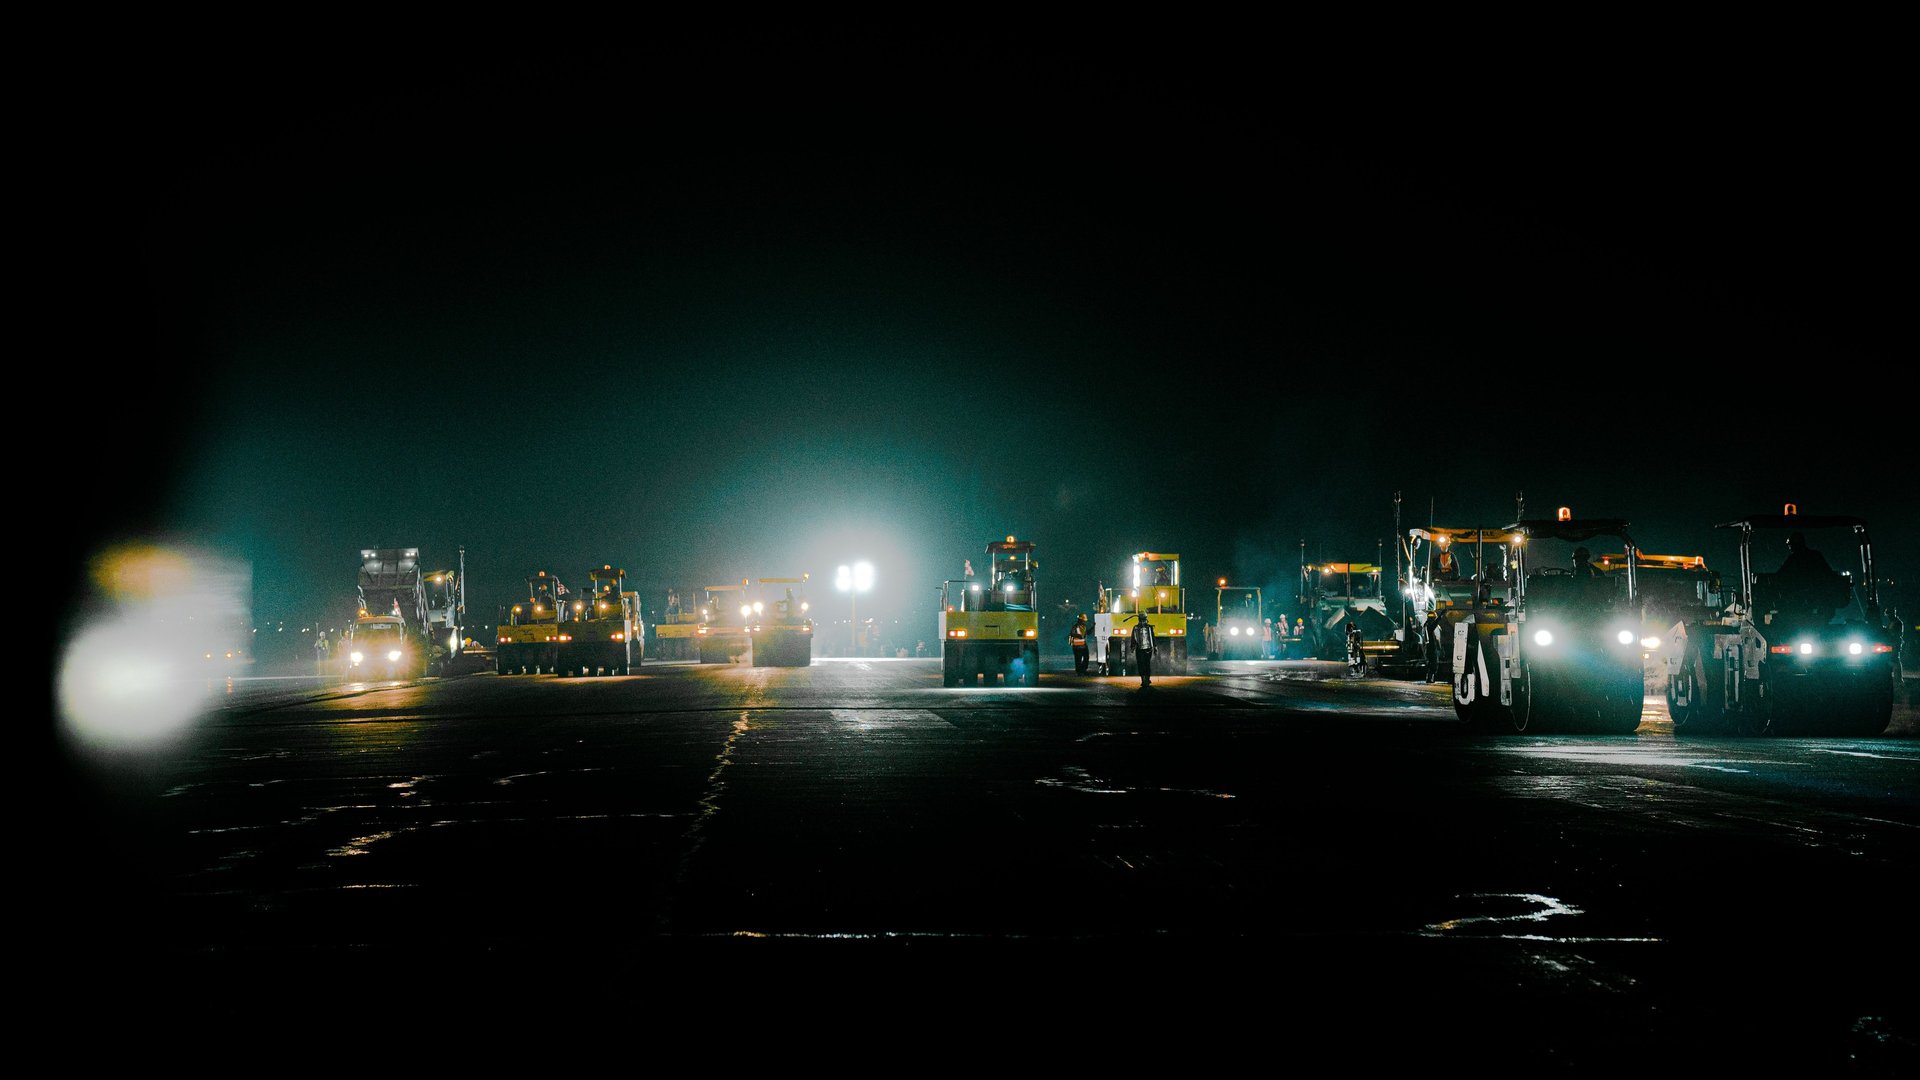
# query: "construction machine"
1442,565
1671,589
1240,630
528,641
398,632
1537,646
1152,590
675,635
1804,649
704,624
604,633
990,627
1341,594
780,633
721,637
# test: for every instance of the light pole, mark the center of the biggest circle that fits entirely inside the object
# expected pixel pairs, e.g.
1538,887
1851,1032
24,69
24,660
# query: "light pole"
854,580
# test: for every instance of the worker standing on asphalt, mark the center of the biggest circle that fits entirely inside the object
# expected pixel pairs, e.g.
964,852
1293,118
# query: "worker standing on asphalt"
1143,648
1077,637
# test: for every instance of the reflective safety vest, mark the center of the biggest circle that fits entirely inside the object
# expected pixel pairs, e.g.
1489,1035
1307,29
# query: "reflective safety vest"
1143,637
1078,635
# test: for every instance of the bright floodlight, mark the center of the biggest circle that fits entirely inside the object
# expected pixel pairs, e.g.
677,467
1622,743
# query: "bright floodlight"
856,578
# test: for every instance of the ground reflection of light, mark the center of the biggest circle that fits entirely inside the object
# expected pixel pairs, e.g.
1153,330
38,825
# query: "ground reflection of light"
1533,908
361,845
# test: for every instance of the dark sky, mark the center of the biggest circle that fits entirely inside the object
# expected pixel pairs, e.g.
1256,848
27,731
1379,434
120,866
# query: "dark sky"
708,316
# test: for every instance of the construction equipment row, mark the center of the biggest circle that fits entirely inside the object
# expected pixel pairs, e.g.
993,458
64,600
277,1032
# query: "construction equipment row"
1530,637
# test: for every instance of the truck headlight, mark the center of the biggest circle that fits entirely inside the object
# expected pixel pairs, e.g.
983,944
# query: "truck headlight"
393,654
356,656
1543,637
1624,637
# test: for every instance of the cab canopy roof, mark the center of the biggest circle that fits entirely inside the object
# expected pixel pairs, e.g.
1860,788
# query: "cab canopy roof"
1466,536
1572,530
1345,567
1653,562
1796,521
1156,556
1009,546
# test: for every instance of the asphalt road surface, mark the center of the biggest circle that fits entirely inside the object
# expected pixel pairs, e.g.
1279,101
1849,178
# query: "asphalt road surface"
1268,858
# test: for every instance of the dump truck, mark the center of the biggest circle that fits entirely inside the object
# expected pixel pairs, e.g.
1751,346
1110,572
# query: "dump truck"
398,632
528,638
604,633
990,627
1802,650
1151,588
781,631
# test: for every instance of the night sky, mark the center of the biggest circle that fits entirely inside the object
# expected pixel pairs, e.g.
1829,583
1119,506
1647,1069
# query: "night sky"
707,317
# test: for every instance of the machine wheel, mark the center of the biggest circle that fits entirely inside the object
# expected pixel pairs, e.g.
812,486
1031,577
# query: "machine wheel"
1695,696
1481,710
1876,710
1529,709
1621,706
1755,716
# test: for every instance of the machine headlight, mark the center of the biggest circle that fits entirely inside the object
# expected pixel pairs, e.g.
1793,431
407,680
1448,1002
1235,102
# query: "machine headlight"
393,654
1624,637
1854,648
356,656
746,610
1806,648
1234,631
1543,637
1650,642
759,608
